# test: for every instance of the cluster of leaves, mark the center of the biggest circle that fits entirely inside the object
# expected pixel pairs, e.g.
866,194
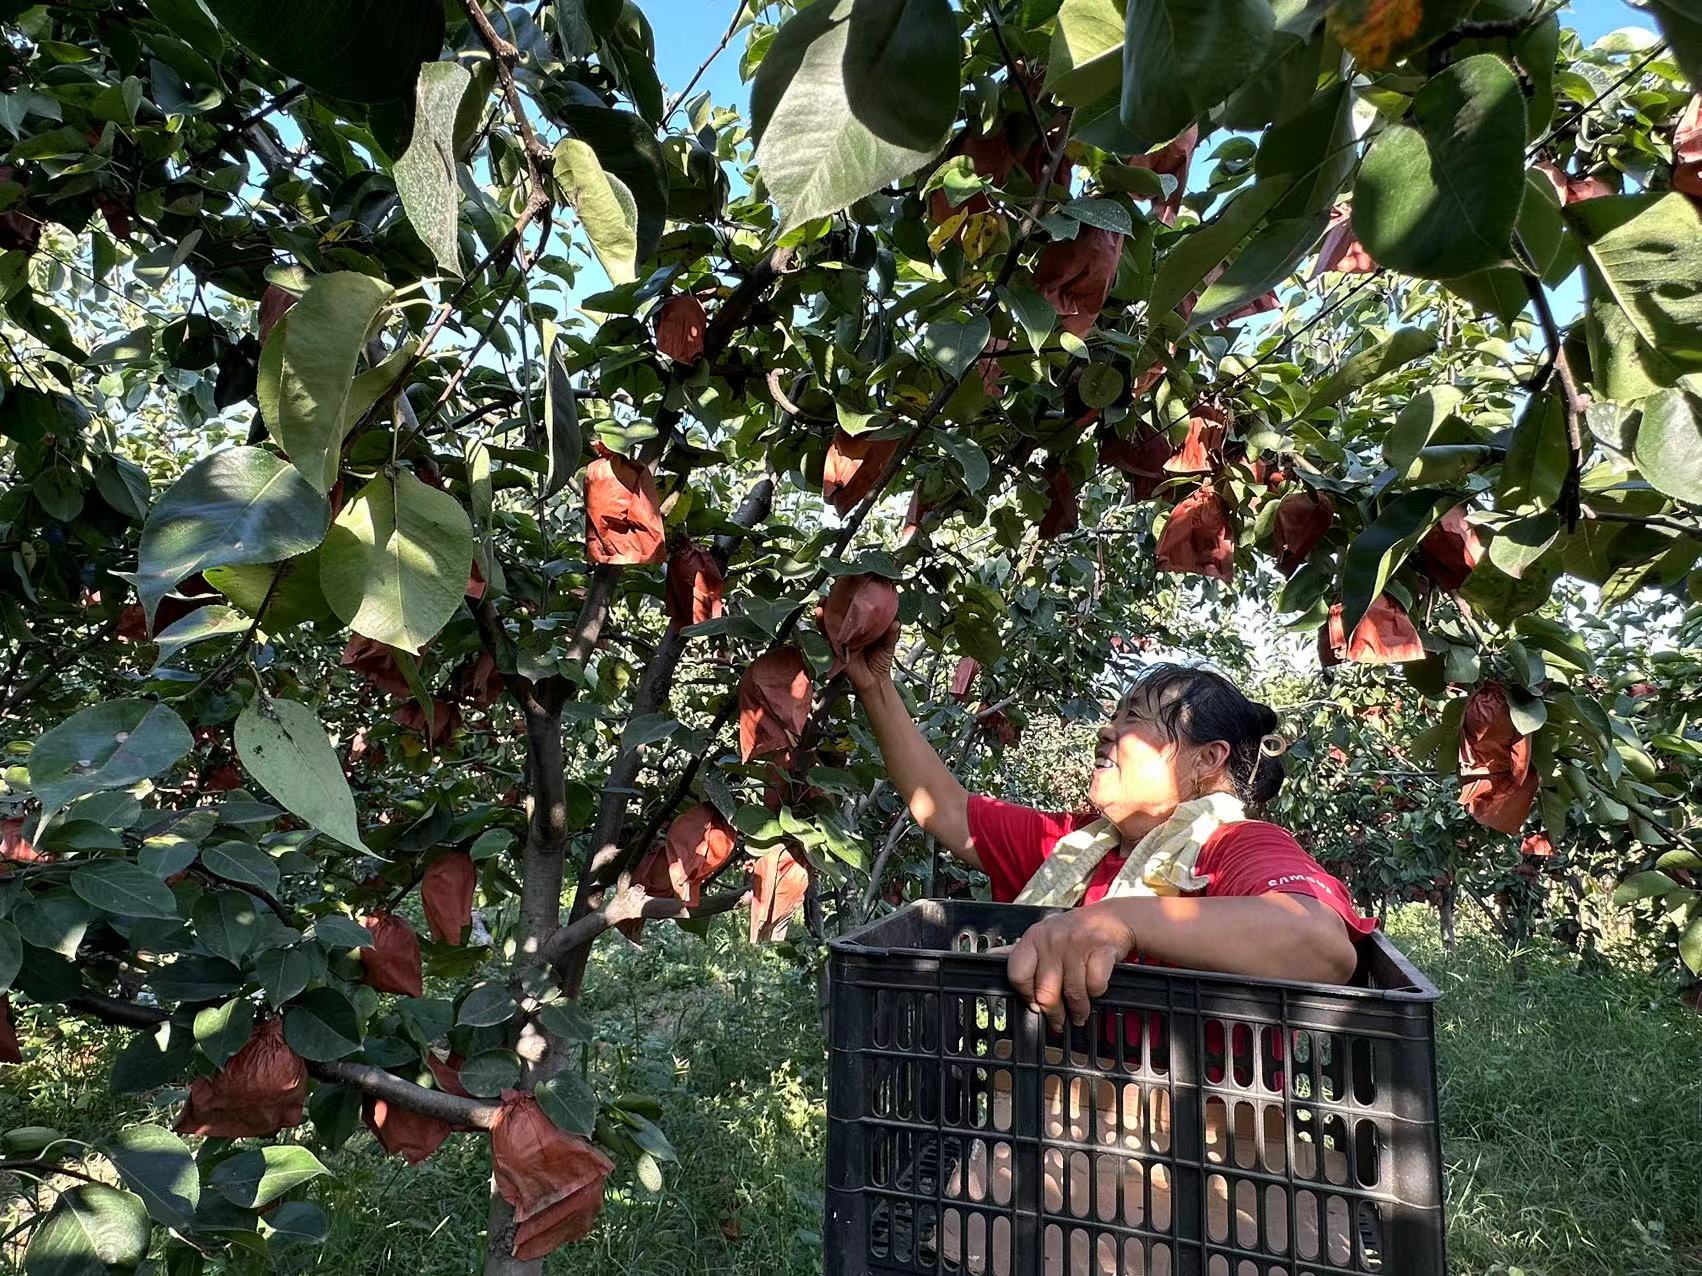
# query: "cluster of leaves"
314,435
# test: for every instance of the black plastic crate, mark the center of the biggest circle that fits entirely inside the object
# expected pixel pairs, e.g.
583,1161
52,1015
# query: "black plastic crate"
1197,1125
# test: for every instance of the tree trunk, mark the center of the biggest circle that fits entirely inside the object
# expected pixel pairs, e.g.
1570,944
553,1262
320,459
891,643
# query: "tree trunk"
1445,914
540,916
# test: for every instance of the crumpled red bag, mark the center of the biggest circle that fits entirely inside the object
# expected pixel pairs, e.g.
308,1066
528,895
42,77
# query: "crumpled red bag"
1063,509
1172,158
446,894
853,467
478,683
392,964
1341,250
776,894
553,1179
1450,550
992,156
10,1051
856,614
963,678
997,723
275,303
1303,519
1384,635
680,325
1573,190
1257,306
258,1092
692,593
1197,539
699,842
411,1135
1076,275
623,512
15,848
914,516
991,368
445,719
376,662
774,703
1537,846
1687,150
1141,458
1201,451
1499,783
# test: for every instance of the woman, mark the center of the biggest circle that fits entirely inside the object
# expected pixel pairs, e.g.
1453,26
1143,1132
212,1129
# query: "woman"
1209,889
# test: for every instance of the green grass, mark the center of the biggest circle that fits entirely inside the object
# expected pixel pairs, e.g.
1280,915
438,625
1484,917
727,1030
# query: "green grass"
1570,1106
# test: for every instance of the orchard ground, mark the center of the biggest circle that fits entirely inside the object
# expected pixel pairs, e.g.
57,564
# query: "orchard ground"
1569,1114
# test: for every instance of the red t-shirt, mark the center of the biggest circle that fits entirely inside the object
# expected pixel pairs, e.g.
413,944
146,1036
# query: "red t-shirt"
1244,859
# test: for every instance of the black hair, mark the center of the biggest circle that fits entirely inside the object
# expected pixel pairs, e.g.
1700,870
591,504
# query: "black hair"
1201,705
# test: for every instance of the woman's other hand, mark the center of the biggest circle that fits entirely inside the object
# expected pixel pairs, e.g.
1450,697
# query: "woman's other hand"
1062,963
873,664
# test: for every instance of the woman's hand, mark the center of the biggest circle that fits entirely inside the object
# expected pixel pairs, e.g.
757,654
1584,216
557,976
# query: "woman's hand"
873,664
1066,960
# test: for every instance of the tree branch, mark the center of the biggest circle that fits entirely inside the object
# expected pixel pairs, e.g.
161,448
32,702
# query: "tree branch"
478,1113
634,904
1570,502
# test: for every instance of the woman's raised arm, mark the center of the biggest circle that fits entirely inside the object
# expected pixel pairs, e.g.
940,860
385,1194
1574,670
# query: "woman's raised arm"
937,801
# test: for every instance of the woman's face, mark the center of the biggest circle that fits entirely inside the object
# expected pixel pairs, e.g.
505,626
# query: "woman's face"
1140,775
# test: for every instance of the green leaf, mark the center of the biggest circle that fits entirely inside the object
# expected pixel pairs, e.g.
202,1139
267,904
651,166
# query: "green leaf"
971,460
124,890
297,599
159,1167
1669,444
1416,424
569,1103
153,1058
241,863
335,930
106,746
1439,198
123,485
195,979
254,1179
1377,553
1681,24
852,95
1645,885
1380,32
240,505
1087,51
1205,248
1538,457
1501,290
322,1026
425,174
396,562
52,920
485,1006
1401,348
607,211
221,1031
359,50
227,923
11,954
1032,311
283,745
92,1230
627,151
1503,598
561,418
284,972
490,1072
322,338
1642,261
1522,542
295,1223
567,1022
1690,944
198,626
1181,58
335,1111
956,346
